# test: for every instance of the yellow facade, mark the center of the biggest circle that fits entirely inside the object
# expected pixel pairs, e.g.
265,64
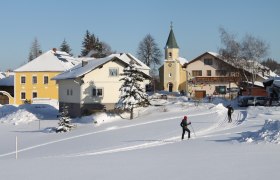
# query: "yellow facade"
29,85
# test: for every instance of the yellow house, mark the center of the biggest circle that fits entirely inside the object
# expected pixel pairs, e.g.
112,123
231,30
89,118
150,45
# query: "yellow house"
172,74
33,80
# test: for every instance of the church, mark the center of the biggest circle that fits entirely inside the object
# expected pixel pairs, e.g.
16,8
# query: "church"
172,73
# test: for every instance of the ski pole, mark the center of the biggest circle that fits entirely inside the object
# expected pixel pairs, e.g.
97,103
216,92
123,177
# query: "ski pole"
193,130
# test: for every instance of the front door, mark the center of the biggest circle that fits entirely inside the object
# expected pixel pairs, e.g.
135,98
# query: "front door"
170,87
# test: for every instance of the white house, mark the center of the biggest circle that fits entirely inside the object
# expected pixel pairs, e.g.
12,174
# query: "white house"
94,84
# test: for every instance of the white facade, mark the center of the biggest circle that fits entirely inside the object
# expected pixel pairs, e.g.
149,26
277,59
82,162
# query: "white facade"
95,84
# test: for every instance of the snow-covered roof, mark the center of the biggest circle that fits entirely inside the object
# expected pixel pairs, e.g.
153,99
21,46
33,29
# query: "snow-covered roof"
81,70
7,80
139,63
214,54
2,75
50,61
182,60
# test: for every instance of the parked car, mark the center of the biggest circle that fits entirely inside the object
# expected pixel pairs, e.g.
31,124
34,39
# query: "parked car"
273,102
245,101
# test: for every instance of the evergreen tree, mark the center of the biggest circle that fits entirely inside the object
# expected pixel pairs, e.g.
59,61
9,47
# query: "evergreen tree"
132,94
64,123
65,47
89,43
35,50
93,47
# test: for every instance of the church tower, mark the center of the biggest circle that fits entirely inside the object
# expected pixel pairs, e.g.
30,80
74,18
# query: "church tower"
171,72
171,47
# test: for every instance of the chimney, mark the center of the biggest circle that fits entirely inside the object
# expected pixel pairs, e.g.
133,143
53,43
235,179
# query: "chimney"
54,50
84,63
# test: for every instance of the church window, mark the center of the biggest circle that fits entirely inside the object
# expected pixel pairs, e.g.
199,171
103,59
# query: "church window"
170,74
170,54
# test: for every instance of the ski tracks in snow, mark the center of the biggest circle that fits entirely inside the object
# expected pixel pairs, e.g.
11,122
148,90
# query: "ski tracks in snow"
222,124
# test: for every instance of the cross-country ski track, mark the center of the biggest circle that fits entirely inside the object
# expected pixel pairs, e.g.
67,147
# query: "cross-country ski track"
170,133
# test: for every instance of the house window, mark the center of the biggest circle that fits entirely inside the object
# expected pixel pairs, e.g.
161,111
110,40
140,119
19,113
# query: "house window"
34,95
221,72
208,72
22,96
220,89
22,79
97,92
196,73
69,92
46,80
34,79
113,71
208,62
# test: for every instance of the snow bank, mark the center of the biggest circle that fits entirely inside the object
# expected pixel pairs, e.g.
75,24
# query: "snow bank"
270,132
220,108
19,116
97,119
26,113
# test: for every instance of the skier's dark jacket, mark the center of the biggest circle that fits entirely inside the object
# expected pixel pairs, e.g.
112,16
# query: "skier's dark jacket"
184,123
230,110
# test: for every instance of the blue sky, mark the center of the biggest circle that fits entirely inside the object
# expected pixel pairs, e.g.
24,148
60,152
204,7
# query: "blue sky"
124,23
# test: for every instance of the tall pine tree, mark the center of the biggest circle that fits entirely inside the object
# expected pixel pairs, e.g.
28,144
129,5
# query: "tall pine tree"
88,44
65,47
91,46
132,94
35,50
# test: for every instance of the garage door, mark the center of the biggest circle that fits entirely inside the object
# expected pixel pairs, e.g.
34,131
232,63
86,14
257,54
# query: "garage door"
200,94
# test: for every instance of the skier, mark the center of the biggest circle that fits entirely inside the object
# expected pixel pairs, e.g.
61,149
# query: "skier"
230,111
184,124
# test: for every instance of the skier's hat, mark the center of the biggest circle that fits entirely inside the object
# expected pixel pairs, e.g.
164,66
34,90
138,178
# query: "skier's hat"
185,117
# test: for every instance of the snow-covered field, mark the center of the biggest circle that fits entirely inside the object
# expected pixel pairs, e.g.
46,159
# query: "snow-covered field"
106,146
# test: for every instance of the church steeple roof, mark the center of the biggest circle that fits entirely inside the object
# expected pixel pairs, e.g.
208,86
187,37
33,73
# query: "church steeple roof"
171,41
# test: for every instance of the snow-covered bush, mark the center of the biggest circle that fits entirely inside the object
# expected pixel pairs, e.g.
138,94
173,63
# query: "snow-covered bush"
64,123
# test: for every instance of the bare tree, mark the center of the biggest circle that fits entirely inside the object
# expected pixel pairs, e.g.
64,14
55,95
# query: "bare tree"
149,53
245,55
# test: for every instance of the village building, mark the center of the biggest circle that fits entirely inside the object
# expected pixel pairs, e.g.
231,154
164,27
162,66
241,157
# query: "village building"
209,74
94,85
6,87
33,81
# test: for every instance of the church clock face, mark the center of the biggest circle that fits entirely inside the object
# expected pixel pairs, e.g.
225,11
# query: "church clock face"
170,64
